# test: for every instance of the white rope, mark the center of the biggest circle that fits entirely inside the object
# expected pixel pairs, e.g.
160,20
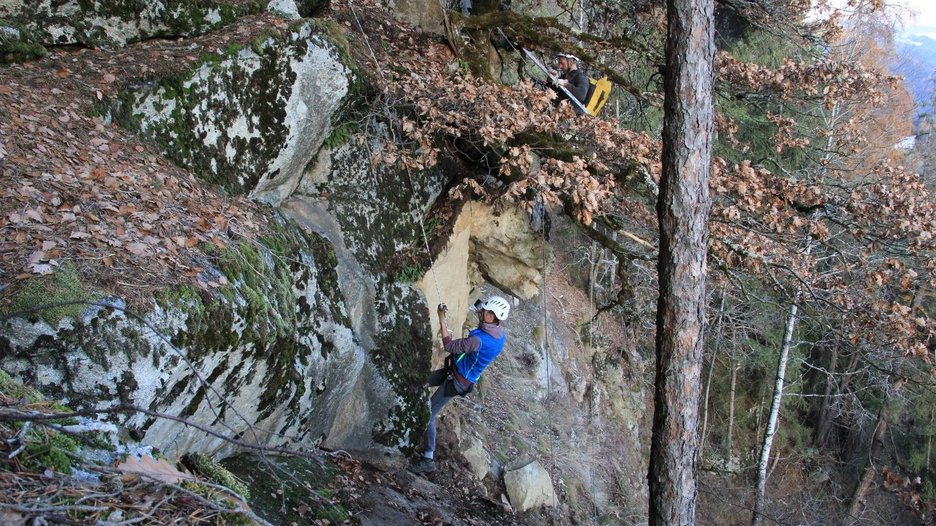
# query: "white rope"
422,226
366,39
549,402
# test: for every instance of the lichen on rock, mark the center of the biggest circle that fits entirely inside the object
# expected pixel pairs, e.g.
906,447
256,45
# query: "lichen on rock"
264,342
250,120
101,23
17,44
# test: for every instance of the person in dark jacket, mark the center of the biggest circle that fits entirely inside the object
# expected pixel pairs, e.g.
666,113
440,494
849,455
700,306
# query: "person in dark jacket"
570,78
466,359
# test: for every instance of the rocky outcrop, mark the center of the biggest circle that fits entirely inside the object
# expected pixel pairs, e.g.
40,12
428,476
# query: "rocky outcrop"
249,120
530,487
371,213
269,350
309,335
101,23
299,337
478,460
17,44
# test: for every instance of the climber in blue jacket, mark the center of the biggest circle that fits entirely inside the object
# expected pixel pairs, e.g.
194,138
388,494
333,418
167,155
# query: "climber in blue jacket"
466,359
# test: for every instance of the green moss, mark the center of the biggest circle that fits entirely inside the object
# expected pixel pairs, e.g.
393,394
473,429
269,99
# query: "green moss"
266,291
51,297
10,388
410,273
477,60
281,486
341,134
403,357
233,49
215,473
18,45
49,449
262,43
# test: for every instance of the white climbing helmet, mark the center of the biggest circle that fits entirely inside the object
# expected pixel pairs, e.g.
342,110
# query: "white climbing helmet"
496,304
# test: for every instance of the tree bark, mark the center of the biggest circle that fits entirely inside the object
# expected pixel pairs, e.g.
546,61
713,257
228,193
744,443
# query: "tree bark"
682,211
774,415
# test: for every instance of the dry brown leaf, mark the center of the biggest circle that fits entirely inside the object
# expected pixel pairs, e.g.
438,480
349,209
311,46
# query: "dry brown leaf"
138,249
150,468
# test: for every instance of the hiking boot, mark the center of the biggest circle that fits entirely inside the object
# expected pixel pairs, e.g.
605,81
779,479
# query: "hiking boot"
423,465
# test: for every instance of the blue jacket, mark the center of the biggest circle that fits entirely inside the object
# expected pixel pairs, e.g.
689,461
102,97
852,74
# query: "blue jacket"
474,353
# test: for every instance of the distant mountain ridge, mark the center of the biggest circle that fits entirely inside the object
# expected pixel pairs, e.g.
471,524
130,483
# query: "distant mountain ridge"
917,63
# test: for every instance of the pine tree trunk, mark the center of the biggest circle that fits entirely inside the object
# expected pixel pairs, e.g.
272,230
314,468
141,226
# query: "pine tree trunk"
682,210
774,416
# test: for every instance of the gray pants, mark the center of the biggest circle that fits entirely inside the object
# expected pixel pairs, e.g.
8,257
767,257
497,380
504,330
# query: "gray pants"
441,378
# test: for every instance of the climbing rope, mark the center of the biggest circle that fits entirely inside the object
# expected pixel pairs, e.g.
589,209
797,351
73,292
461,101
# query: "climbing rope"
409,176
425,237
540,203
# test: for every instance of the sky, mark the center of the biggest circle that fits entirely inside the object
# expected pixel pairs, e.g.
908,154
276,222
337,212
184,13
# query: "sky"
924,23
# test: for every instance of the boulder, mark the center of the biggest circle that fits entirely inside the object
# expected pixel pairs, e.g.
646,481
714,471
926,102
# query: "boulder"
249,120
479,462
530,487
424,14
273,341
18,45
104,23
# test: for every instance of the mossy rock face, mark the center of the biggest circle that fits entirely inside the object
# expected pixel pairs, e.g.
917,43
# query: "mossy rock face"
275,343
18,44
115,23
403,356
281,488
378,211
248,120
50,297
378,208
